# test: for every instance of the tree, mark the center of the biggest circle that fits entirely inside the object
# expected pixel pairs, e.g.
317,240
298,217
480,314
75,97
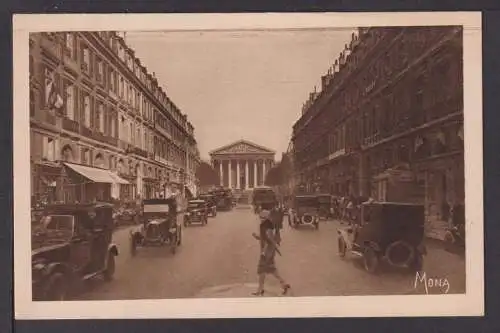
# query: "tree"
206,175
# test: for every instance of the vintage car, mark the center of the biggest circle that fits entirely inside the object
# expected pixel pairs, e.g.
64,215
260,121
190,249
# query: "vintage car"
388,232
71,244
196,212
211,203
161,225
304,211
262,195
224,198
325,204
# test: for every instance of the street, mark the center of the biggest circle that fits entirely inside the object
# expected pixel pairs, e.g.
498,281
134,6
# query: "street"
220,260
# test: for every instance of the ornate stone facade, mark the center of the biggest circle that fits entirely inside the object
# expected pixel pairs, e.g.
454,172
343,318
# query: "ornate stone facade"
242,165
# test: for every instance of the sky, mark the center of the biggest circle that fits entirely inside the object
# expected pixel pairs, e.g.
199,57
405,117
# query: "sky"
239,84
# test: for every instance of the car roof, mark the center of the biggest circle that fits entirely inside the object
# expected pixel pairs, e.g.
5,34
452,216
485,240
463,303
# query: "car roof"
392,203
66,207
159,201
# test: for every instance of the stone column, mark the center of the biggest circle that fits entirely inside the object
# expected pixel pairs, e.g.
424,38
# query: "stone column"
247,175
221,173
264,172
229,174
238,185
254,173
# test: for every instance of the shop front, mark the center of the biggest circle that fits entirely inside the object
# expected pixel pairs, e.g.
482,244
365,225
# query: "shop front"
82,183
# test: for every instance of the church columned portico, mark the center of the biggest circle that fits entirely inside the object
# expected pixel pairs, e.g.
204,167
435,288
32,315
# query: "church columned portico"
242,165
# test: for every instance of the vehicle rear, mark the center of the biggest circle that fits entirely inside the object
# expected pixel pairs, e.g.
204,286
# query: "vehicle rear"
196,211
306,205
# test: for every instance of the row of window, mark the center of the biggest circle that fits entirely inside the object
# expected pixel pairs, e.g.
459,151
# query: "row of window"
168,151
381,68
408,105
123,88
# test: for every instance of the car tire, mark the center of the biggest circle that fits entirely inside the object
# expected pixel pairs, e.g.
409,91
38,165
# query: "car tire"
109,272
342,247
56,288
371,260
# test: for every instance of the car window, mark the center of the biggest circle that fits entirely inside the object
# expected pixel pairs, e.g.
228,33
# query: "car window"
58,222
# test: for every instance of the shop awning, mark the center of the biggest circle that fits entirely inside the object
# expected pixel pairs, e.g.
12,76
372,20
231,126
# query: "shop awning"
96,175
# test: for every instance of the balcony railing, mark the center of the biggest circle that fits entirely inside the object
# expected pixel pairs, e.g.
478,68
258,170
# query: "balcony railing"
70,125
122,144
85,131
50,118
137,151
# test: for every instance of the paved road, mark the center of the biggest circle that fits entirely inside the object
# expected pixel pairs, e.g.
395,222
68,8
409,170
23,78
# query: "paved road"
219,260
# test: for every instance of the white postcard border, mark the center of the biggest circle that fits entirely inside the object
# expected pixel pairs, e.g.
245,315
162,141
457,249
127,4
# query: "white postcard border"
470,304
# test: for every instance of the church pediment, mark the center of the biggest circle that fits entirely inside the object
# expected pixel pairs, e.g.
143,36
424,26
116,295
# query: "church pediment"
242,147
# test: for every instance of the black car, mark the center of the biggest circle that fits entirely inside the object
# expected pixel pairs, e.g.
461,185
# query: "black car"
305,211
197,212
211,201
160,225
386,232
71,244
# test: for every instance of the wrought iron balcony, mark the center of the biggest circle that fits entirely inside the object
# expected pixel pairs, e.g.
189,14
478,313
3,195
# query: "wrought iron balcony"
70,125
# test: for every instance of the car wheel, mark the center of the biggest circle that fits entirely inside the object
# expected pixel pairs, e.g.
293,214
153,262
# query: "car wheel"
342,247
371,260
110,268
56,288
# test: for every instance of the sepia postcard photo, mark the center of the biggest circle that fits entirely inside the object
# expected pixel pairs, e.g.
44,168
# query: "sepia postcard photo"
248,165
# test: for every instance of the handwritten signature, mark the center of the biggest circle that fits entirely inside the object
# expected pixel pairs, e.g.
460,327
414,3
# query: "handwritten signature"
431,283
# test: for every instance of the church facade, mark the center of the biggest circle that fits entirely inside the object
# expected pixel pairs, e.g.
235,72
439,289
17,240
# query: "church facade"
242,165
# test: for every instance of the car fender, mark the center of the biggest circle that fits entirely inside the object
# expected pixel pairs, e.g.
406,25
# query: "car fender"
57,267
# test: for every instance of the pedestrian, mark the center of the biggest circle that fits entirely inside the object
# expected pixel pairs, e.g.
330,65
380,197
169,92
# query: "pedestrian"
268,249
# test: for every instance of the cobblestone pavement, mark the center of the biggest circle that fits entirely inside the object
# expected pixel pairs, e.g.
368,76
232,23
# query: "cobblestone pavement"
220,260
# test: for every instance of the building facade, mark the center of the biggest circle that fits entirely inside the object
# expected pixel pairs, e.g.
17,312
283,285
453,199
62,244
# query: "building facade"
242,165
101,127
388,122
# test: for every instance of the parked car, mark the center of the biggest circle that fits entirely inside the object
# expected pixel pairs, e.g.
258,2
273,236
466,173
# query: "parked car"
211,201
304,211
387,232
71,244
197,212
224,197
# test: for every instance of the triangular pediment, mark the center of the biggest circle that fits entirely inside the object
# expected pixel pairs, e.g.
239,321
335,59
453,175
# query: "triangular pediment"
242,147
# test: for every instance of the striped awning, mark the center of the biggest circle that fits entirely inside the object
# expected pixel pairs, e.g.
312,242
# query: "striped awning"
96,175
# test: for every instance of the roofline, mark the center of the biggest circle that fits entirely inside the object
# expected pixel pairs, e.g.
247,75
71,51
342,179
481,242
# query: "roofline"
269,151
